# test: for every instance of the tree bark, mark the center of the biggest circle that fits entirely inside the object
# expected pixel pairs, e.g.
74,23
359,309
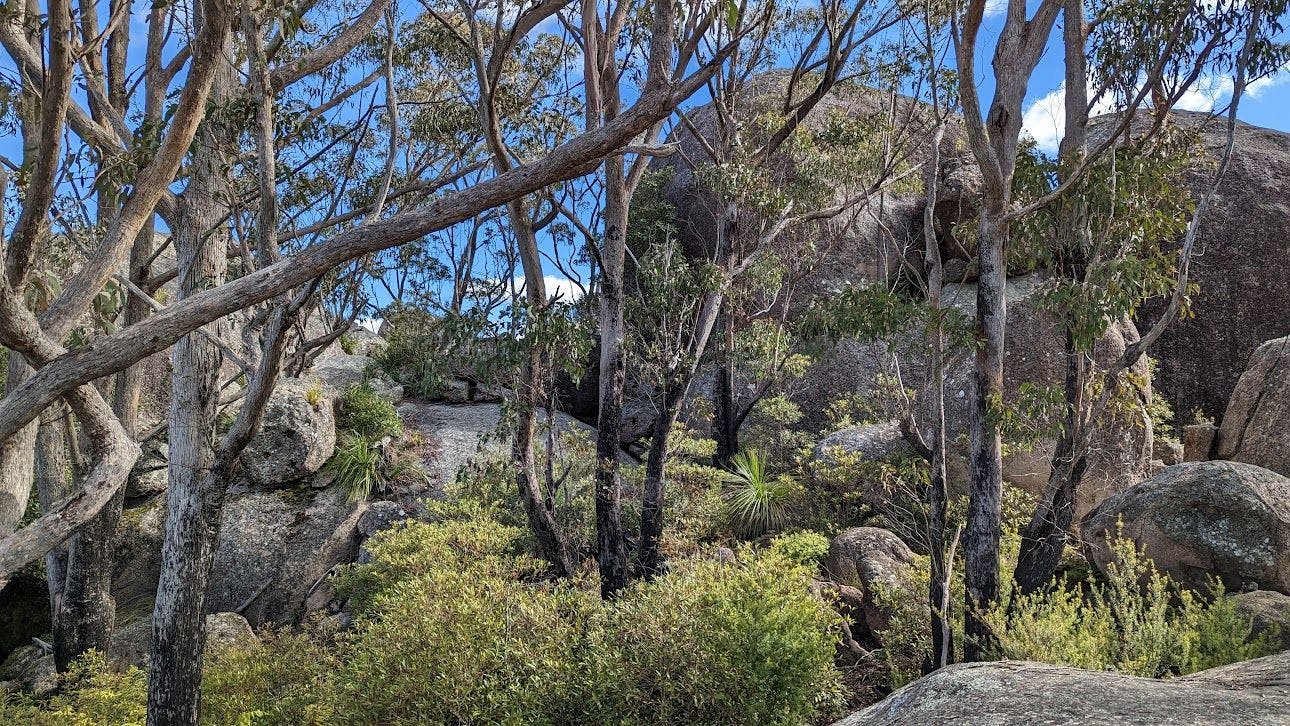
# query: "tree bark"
193,501
985,497
611,546
725,424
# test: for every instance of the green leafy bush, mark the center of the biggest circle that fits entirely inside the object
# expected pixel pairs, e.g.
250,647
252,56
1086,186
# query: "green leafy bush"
282,680
1137,621
90,694
368,415
803,548
721,644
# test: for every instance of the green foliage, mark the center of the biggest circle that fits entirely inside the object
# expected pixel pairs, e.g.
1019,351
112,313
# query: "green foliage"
1137,621
348,344
313,395
759,502
424,351
721,644
363,466
281,680
368,415
90,694
452,627
804,548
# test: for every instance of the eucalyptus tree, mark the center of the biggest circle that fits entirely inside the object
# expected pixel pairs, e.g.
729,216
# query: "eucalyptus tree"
333,238
779,189
1112,226
1133,61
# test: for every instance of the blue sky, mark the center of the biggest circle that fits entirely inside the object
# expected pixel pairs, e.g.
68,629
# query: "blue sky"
1267,102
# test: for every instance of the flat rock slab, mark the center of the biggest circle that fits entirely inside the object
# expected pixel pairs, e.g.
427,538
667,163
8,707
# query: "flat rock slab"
1006,693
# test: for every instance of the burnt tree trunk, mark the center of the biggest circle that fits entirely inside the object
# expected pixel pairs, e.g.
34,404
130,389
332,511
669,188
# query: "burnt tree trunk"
611,546
985,496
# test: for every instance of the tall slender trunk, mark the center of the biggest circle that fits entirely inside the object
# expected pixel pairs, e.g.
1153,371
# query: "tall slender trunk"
193,501
940,550
611,546
984,517
1043,539
675,388
725,422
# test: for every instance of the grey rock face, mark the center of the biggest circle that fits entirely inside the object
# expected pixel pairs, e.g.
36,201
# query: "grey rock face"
1243,273
1020,693
872,560
296,437
1256,427
277,546
132,640
1196,520
1267,611
149,475
342,371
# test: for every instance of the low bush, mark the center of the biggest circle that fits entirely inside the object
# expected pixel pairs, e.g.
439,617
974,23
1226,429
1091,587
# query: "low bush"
1137,621
367,414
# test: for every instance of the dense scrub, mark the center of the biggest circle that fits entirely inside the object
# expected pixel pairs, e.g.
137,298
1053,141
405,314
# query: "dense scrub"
453,624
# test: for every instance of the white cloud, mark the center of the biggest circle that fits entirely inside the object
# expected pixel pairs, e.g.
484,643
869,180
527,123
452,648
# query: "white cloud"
562,286
1045,119
1276,78
995,7
1205,94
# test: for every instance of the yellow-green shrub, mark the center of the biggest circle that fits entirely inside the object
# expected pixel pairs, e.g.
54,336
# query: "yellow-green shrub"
721,644
90,694
1138,621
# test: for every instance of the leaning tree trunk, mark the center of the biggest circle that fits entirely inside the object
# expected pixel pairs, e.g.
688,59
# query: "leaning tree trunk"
1043,539
984,517
192,502
675,388
649,557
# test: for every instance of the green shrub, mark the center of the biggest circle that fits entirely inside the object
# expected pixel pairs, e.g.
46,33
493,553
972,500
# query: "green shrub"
759,502
452,626
1138,622
357,465
368,415
90,694
282,680
803,548
722,644
348,345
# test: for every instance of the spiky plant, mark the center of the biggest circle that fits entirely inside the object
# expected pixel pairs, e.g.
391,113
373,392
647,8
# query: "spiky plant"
758,502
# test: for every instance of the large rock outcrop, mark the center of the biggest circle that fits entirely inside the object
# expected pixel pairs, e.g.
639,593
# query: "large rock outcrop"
1120,453
297,434
1256,426
1203,519
1268,613
1243,273
342,371
1021,693
274,547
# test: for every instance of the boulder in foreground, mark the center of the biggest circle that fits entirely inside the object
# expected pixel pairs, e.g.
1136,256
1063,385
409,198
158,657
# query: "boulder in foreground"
1251,693
1203,519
